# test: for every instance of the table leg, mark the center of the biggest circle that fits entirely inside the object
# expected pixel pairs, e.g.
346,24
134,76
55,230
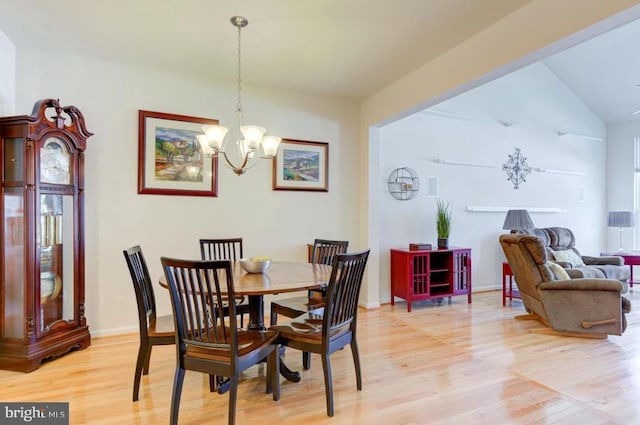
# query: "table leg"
256,313
288,374
256,322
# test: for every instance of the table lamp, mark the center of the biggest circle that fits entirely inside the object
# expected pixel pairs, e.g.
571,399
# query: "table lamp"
517,220
620,219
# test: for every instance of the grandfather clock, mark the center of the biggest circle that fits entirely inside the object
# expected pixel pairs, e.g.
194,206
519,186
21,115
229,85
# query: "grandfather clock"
42,312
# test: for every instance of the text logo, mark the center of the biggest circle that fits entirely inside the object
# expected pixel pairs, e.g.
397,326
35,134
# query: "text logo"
54,413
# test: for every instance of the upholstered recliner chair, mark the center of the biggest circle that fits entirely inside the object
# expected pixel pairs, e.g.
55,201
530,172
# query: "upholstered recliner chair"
559,242
583,307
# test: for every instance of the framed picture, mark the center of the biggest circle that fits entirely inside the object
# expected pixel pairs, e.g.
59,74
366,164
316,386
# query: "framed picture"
301,165
170,159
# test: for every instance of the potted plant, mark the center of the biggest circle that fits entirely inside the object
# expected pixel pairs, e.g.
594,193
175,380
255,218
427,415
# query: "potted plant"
443,223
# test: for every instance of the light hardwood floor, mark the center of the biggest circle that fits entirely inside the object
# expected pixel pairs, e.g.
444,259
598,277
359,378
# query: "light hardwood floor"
440,364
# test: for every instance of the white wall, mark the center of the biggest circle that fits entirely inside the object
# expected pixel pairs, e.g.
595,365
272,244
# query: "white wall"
620,178
275,223
537,105
7,75
533,32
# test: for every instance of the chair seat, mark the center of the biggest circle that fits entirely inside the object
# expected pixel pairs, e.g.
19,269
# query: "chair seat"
307,328
163,326
296,306
248,341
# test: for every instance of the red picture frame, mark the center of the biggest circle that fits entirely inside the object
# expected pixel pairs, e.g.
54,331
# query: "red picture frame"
170,160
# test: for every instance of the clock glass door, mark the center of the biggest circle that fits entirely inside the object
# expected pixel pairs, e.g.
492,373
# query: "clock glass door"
56,250
12,244
13,248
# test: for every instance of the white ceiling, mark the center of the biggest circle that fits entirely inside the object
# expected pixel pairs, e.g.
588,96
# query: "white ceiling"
342,48
604,72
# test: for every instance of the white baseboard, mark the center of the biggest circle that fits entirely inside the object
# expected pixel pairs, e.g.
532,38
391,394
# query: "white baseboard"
115,331
369,306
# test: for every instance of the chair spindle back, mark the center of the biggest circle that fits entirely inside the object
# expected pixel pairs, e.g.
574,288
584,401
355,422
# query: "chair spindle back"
142,286
198,289
221,249
343,291
324,250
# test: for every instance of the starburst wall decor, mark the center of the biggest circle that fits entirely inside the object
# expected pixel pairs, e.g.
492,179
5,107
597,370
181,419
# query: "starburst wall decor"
516,168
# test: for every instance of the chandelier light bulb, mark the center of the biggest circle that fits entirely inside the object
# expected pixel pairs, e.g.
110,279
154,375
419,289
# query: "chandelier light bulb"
252,135
215,134
203,140
270,145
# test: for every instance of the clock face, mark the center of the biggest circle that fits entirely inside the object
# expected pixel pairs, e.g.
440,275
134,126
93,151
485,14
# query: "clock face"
54,162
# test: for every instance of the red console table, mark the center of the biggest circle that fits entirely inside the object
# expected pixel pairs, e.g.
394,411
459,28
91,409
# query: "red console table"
430,274
507,275
630,259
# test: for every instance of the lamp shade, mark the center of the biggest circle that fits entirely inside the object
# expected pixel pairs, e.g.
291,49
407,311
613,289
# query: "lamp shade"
620,219
517,220
270,145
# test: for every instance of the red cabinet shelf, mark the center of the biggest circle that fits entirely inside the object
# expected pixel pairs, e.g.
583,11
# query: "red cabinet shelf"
430,274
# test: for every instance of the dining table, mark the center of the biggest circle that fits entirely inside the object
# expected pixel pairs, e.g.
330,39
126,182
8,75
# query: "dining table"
280,277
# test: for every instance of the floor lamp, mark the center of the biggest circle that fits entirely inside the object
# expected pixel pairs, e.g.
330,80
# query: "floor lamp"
620,219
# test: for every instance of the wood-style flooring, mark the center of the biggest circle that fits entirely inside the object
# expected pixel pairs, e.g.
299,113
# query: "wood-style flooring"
440,364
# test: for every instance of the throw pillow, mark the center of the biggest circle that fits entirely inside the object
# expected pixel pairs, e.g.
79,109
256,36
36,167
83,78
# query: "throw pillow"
568,256
558,272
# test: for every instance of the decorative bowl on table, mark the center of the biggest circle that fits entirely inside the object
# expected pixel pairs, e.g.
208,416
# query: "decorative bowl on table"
255,264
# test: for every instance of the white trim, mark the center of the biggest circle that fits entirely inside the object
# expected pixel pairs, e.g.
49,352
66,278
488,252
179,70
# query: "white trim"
369,306
485,165
548,170
505,209
582,136
636,153
446,114
115,331
466,163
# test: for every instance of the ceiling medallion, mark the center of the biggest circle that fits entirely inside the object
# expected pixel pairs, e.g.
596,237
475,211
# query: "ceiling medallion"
516,168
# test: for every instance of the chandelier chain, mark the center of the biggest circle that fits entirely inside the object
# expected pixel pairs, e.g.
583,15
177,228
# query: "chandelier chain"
239,104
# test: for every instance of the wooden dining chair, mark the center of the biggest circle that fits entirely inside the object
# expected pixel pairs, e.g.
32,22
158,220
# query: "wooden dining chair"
327,330
226,249
324,252
154,329
208,339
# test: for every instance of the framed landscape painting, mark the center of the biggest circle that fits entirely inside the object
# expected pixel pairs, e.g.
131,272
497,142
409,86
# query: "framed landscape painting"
170,159
301,165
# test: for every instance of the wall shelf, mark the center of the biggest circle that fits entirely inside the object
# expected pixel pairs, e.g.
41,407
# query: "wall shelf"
486,165
505,209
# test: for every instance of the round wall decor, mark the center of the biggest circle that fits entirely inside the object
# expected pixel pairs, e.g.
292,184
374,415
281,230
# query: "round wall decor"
404,183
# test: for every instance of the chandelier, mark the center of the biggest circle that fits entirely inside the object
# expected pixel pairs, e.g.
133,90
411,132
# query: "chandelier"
240,145
517,168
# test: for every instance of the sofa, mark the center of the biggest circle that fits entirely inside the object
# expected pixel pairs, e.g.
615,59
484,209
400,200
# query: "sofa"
559,244
582,307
